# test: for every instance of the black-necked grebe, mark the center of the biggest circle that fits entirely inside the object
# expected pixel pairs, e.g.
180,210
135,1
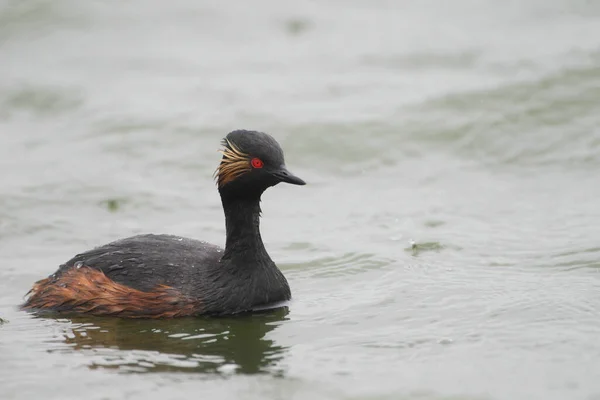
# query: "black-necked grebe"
165,276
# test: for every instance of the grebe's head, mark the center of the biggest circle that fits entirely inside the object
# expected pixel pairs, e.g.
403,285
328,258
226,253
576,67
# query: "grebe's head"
252,162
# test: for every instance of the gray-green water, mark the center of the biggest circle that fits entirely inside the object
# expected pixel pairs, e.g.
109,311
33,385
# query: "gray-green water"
470,127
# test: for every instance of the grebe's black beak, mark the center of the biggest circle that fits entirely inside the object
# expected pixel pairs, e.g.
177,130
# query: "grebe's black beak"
286,176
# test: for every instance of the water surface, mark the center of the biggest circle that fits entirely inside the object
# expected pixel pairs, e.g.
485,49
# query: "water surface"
469,127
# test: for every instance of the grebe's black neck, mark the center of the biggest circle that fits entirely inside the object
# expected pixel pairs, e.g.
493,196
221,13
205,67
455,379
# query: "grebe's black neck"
242,223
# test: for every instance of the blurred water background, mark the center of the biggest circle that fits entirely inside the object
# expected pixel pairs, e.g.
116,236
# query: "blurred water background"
470,127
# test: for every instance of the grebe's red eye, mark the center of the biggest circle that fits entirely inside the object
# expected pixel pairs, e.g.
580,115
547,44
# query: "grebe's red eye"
257,163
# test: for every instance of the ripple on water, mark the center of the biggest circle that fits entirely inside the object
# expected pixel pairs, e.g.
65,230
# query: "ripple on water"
559,112
343,265
40,101
587,258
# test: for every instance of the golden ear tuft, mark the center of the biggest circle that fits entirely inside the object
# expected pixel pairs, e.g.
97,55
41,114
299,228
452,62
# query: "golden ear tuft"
233,164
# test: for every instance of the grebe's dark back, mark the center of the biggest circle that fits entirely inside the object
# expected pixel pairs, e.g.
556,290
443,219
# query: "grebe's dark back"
163,276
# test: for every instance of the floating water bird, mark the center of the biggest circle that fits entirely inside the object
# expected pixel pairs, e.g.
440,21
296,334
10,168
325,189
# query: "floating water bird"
166,276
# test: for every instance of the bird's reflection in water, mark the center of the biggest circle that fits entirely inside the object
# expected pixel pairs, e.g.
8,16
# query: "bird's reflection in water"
208,345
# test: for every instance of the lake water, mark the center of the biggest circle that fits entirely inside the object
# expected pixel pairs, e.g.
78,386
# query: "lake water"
469,127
